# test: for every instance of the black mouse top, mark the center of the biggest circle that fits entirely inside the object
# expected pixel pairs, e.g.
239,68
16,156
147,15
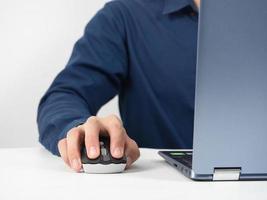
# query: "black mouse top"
105,156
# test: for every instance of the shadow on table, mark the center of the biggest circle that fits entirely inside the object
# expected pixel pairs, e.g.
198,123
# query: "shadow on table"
146,165
155,169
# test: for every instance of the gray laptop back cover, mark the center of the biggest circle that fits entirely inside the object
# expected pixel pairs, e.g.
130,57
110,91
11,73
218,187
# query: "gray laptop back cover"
230,128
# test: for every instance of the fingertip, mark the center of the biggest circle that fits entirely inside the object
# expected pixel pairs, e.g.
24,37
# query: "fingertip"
76,165
62,149
117,152
93,152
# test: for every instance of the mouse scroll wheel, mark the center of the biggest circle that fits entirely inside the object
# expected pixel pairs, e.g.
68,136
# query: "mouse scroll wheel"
103,151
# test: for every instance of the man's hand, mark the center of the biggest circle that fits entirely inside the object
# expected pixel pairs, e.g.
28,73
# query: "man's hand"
88,133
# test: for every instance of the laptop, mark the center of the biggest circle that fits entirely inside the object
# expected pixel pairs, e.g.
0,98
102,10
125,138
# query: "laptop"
230,119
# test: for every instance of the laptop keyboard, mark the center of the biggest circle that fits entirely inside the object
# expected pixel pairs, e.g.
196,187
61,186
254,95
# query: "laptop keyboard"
183,157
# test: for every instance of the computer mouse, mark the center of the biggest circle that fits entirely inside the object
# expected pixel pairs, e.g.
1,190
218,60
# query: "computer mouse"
104,163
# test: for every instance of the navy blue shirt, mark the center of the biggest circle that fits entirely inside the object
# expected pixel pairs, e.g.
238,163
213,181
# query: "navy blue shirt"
142,50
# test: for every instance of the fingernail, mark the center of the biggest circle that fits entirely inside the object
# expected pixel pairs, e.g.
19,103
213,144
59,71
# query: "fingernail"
92,152
75,164
117,152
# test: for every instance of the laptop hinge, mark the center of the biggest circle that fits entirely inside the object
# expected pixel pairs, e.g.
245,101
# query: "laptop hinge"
226,174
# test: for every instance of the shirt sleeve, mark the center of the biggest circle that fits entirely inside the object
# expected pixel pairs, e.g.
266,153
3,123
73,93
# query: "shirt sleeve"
93,75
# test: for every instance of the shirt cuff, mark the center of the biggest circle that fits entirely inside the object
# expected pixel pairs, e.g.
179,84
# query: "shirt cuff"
71,125
64,132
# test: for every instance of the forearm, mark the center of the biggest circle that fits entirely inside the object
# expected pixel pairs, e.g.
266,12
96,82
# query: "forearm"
58,112
93,76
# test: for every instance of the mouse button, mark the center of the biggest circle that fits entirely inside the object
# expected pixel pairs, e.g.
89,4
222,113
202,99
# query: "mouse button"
91,161
86,160
118,160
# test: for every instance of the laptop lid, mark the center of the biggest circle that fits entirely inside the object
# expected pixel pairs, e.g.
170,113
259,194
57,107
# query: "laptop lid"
230,127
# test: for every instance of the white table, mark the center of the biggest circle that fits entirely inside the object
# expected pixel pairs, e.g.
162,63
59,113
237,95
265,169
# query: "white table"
33,174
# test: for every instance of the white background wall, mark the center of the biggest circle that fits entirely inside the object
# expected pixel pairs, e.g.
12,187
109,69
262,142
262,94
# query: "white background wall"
36,39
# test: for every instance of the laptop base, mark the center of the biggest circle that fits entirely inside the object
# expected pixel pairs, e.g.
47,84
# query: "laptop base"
182,161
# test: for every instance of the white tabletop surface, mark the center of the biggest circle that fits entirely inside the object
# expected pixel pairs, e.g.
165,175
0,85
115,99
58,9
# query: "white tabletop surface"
33,174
